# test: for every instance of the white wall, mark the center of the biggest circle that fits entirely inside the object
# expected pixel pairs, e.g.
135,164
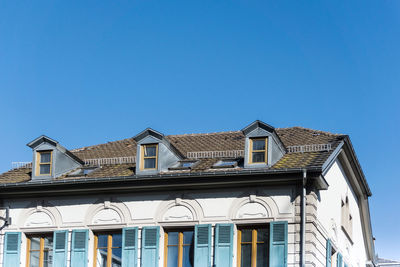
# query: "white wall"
240,206
329,216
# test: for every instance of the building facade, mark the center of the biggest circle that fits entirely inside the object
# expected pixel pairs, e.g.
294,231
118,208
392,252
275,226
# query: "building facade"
256,197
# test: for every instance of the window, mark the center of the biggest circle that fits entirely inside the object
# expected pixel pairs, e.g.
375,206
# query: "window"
258,150
179,248
253,247
108,249
149,154
184,165
347,219
40,251
43,166
226,163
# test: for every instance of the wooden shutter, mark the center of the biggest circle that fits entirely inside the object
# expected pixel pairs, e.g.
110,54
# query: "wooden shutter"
12,248
150,242
129,247
223,245
278,244
202,245
79,251
339,260
328,253
60,248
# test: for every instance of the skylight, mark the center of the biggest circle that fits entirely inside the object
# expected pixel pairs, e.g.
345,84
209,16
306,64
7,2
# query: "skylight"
226,163
184,165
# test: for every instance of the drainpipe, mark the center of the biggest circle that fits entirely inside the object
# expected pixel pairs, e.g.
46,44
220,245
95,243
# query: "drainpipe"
303,220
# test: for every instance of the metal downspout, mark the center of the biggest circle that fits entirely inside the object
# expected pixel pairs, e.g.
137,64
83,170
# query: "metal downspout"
303,219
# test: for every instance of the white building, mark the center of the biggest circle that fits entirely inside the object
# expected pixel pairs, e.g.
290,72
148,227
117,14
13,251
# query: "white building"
256,197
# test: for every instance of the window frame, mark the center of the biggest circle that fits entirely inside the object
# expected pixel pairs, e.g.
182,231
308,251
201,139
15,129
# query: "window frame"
110,247
180,244
346,218
38,163
254,243
251,151
41,248
142,157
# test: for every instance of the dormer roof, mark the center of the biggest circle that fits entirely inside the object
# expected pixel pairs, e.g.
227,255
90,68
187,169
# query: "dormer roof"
45,139
257,124
41,139
147,132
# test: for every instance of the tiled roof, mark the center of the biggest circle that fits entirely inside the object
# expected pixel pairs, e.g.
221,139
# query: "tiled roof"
223,141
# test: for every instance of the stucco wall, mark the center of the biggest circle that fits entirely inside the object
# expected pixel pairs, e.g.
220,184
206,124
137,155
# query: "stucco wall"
328,216
239,206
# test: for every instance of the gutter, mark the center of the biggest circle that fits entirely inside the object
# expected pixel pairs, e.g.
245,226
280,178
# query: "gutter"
163,182
303,219
147,177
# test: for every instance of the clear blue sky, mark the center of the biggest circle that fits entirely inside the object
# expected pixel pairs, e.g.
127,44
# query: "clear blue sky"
87,72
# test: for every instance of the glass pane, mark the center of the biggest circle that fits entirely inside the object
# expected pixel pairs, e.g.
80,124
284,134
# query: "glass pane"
227,163
187,164
246,255
102,241
44,168
35,243
262,255
258,156
149,163
172,260
173,238
48,242
150,151
259,144
101,258
116,257
116,240
188,252
47,258
45,157
246,235
34,259
187,237
262,235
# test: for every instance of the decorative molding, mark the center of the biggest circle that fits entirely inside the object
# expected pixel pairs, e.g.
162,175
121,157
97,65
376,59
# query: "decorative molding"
104,204
45,207
267,203
172,202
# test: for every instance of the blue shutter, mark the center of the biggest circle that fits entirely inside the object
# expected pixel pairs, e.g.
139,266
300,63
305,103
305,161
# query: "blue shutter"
12,247
345,265
339,260
150,240
223,245
129,247
60,248
79,257
278,244
328,253
202,245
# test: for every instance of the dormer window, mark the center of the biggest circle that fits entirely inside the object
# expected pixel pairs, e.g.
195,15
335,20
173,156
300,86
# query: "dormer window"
43,166
258,150
149,156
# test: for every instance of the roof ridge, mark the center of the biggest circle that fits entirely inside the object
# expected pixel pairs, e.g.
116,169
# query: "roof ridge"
309,129
213,133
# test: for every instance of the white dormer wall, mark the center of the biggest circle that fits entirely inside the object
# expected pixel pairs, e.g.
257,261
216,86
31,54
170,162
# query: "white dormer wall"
61,163
275,150
166,157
